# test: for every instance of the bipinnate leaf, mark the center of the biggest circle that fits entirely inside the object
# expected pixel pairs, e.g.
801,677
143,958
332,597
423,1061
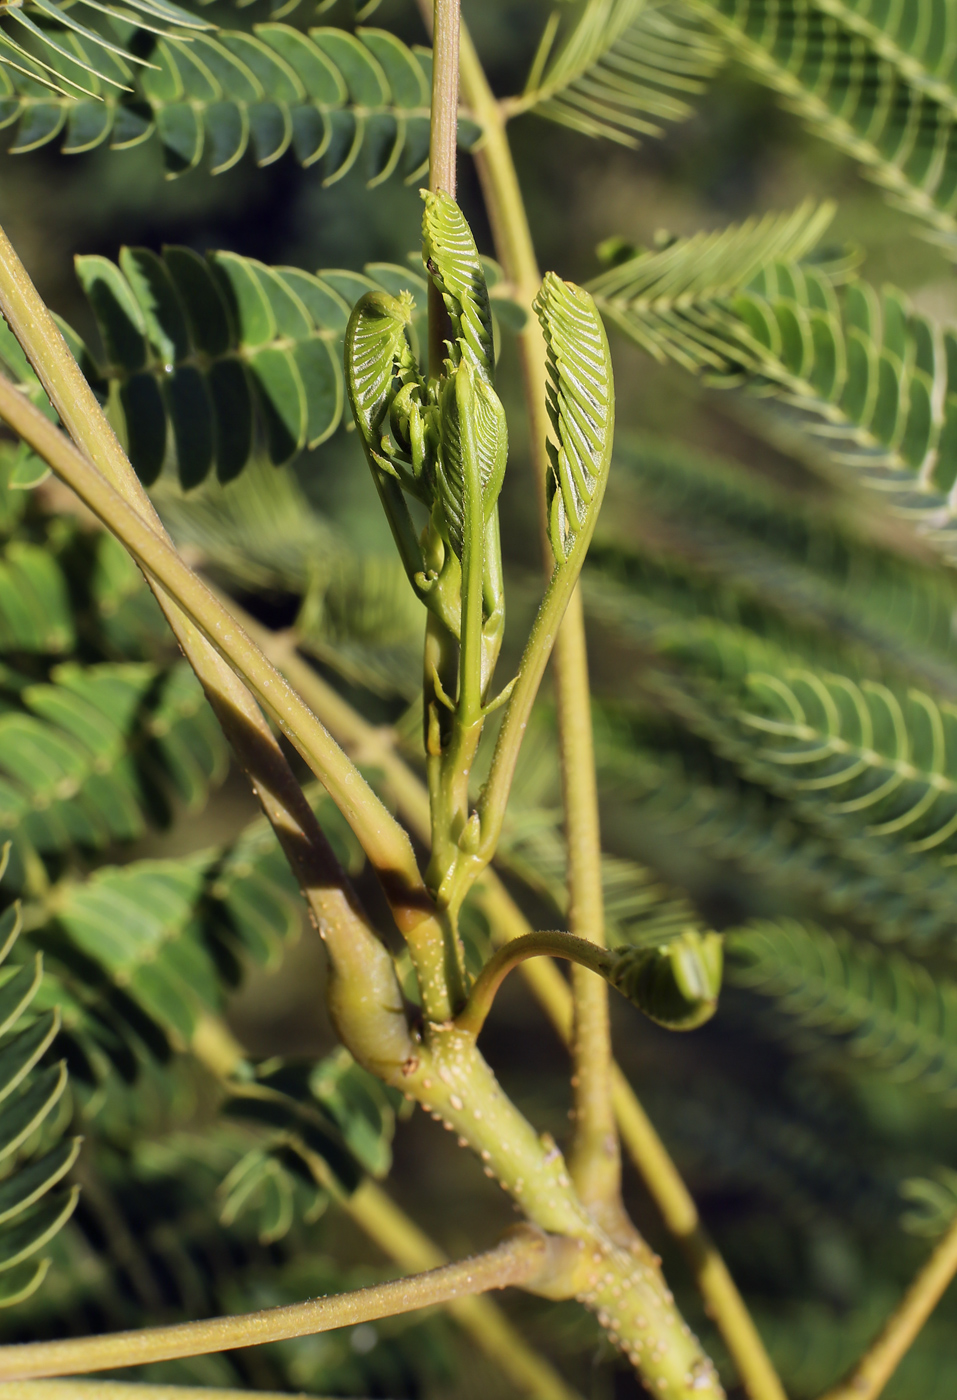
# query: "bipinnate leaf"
450,254
214,359
581,410
675,982
338,100
883,1009
624,68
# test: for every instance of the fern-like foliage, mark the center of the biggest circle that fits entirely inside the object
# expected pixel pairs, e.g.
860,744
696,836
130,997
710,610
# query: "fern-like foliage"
212,360
209,363
661,298
893,1014
870,96
625,67
712,540
56,52
865,383
32,1162
330,96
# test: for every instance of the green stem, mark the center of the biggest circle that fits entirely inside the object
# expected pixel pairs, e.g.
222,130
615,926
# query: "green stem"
402,1240
519,1260
376,747
595,1156
879,1363
385,842
553,944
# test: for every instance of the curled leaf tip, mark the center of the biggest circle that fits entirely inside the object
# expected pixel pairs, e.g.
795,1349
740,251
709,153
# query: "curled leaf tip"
675,984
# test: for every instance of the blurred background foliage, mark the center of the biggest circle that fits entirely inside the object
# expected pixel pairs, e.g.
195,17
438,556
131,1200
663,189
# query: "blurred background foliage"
795,1116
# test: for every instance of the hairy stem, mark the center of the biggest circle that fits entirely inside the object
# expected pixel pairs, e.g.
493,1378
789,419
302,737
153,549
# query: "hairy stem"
518,1260
595,1157
882,1359
402,1240
376,748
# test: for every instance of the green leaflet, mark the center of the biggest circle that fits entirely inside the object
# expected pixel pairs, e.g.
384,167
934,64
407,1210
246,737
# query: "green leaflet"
895,1016
581,409
934,1202
451,257
657,298
31,1210
857,381
84,56
624,68
215,360
875,83
340,100
172,933
376,354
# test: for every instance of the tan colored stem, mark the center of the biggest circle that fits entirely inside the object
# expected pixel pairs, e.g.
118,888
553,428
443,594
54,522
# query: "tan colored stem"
518,1260
323,883
402,1240
445,16
385,842
881,1360
125,1390
595,1157
645,1148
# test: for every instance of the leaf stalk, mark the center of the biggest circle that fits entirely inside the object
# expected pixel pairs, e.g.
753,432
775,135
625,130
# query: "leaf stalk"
882,1359
519,1260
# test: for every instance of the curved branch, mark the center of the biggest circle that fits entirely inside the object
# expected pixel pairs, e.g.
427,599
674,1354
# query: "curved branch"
879,1363
519,1260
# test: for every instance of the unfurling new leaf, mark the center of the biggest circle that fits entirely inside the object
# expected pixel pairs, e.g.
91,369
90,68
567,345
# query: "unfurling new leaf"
473,453
450,254
376,351
676,983
581,409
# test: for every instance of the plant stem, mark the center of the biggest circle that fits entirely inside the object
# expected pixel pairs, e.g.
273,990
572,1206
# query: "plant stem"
595,1156
402,1240
442,146
519,1259
385,842
554,944
125,1390
881,1360
376,748
325,889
